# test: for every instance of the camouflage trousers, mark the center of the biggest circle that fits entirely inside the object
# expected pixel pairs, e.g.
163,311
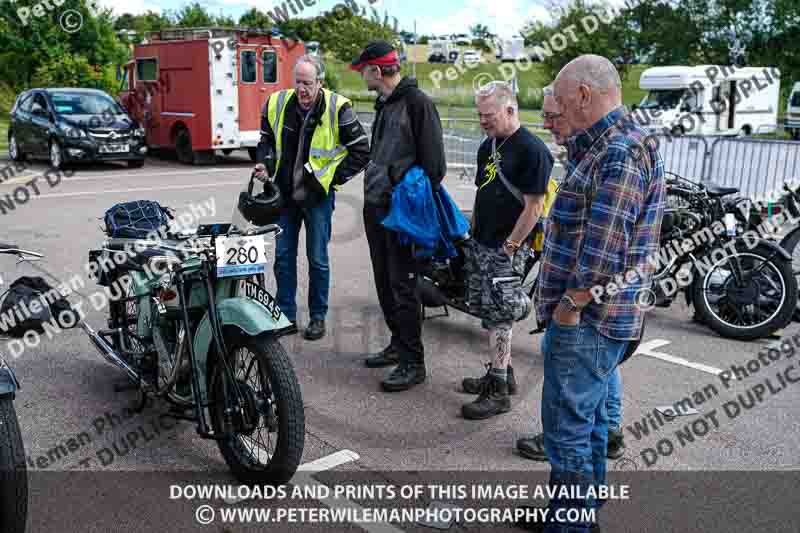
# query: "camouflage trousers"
494,284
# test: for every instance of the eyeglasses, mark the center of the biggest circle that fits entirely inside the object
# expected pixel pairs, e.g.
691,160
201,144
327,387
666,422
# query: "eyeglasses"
552,116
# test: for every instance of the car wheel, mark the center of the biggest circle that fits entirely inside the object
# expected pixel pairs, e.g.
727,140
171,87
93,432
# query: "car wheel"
13,148
227,151
56,156
136,163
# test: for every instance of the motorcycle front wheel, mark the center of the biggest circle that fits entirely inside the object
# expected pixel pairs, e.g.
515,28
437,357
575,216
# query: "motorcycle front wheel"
13,472
266,445
763,304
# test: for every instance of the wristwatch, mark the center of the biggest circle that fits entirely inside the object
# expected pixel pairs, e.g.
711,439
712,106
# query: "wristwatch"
569,303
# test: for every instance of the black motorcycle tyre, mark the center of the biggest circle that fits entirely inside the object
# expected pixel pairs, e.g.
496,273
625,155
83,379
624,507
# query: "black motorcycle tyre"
780,320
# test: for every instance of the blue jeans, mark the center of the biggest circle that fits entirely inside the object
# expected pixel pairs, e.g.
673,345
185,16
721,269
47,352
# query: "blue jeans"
318,233
614,400
578,365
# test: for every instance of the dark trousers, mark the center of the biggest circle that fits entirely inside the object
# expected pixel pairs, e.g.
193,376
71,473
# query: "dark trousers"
395,272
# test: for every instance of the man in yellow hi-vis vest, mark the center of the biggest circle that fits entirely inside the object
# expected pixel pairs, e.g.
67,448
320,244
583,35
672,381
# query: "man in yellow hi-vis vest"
311,142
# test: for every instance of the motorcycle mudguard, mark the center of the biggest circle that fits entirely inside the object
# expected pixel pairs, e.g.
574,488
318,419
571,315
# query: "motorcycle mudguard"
8,382
244,313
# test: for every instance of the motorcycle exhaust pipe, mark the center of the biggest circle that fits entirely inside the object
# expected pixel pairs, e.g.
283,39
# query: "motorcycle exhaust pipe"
108,353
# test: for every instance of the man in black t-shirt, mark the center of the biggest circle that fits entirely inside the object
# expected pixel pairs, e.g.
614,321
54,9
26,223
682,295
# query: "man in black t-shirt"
513,171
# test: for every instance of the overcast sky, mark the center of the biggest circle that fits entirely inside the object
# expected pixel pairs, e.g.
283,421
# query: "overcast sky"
504,17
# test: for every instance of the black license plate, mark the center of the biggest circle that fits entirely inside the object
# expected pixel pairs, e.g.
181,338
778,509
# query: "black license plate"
260,295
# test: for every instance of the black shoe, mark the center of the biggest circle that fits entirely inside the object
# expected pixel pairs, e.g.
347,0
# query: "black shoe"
288,330
315,330
474,385
492,401
532,447
616,444
386,357
404,377
538,525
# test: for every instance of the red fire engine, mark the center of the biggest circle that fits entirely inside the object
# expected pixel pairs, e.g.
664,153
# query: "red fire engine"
197,90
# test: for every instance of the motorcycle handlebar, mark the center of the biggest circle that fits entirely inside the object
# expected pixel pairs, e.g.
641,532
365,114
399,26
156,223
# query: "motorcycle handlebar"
13,250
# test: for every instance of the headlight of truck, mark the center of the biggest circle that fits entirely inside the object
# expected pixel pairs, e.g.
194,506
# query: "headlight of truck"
138,132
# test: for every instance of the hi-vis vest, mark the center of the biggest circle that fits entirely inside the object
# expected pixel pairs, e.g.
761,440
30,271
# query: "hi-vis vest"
326,152
549,198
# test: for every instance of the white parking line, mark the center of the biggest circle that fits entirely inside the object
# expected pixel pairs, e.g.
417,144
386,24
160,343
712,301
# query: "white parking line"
647,348
141,189
304,477
81,176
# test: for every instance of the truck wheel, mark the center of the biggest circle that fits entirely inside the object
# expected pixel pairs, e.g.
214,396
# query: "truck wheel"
227,151
252,153
183,147
136,163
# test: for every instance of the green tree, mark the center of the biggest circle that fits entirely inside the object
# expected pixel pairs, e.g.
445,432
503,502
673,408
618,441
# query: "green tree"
481,37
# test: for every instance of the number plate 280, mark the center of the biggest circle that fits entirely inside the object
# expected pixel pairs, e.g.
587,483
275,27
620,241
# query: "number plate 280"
240,256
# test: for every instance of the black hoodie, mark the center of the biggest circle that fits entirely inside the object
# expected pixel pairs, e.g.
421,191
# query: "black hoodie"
406,132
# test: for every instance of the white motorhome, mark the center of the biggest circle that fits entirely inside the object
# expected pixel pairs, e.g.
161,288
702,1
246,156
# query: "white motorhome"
792,123
710,100
510,49
442,51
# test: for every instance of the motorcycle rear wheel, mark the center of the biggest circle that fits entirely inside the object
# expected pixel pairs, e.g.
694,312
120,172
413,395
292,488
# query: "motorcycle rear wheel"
265,374
13,472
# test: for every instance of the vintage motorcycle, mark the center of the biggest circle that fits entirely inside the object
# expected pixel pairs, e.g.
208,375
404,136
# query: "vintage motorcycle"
191,322
742,288
13,470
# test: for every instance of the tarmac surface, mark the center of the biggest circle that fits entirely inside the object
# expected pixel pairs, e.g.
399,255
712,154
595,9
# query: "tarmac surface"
353,428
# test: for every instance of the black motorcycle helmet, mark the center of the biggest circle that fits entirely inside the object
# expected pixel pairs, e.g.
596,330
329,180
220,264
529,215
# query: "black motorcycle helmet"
264,208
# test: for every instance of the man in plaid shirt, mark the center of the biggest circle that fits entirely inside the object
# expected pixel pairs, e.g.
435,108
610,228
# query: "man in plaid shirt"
603,225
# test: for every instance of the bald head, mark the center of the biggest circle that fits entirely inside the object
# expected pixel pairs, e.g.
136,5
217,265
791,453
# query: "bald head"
588,88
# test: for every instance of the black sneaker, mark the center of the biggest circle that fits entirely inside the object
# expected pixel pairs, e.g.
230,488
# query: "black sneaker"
616,444
493,400
404,377
533,447
315,330
386,357
475,385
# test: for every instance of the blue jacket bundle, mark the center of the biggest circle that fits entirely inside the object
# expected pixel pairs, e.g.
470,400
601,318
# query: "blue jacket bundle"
428,219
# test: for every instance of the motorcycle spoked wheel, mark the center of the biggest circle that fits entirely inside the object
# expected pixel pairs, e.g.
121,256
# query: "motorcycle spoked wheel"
763,306
13,472
270,451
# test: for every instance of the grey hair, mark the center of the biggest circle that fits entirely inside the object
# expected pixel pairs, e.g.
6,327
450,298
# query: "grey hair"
501,91
595,71
315,61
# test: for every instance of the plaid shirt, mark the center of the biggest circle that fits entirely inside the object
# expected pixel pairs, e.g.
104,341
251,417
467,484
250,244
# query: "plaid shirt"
603,225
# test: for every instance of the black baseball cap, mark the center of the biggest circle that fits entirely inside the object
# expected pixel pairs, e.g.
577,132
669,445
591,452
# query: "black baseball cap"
376,53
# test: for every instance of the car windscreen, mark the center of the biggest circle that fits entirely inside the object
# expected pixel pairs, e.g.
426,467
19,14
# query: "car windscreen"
662,98
68,103
795,99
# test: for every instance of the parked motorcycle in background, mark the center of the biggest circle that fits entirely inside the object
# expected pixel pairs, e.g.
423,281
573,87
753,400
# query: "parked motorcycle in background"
741,287
13,470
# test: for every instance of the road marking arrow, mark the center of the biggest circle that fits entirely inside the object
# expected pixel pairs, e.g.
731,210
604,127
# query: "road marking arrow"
649,347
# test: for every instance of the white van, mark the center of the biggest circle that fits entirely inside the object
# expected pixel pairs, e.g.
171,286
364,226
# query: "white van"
710,100
792,122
